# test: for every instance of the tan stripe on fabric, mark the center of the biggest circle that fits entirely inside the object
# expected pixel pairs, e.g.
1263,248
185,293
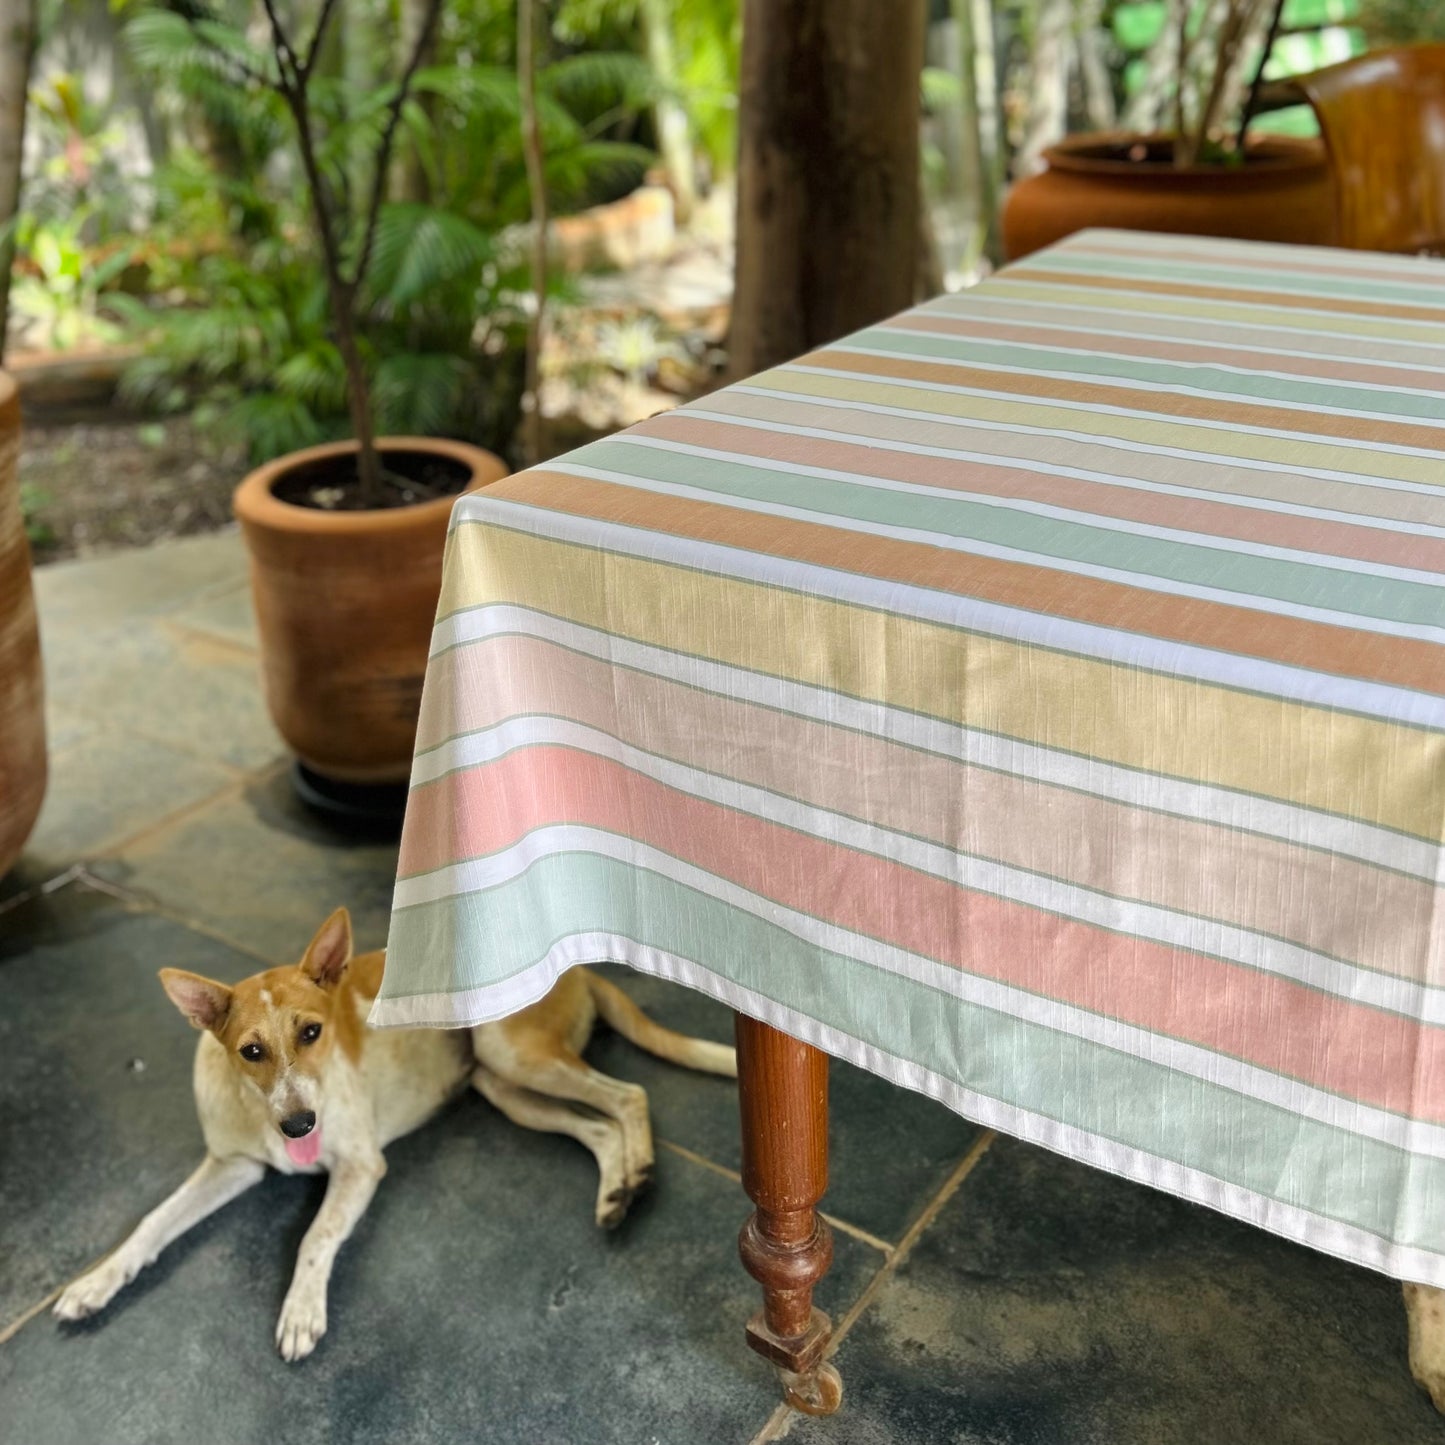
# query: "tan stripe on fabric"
1366,915
1244,630
1295,453
1045,451
1155,403
1361,768
1208,291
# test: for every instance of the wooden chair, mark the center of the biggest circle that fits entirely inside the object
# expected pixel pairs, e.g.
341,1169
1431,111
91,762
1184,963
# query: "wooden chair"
1383,120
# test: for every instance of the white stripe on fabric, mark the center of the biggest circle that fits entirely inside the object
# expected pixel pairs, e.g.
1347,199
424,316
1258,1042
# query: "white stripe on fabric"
1272,818
996,619
1290,257
1199,311
1092,439
1132,916
1130,383
1126,413
1009,462
1212,541
993,309
1293,1095
1245,373
480,1005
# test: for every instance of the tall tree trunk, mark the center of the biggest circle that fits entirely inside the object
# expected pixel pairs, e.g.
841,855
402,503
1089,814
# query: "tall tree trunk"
1048,116
827,172
535,159
17,45
674,130
409,177
1093,71
993,162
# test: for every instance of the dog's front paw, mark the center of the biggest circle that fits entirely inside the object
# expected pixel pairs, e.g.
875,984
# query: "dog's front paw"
93,1291
302,1322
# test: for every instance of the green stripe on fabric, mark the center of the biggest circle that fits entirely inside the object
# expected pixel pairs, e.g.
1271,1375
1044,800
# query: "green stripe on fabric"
808,828
1252,386
1340,589
487,937
905,745
1243,276
1261,315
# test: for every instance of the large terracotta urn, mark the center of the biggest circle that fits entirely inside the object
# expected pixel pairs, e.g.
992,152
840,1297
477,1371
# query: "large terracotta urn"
345,603
1280,190
22,695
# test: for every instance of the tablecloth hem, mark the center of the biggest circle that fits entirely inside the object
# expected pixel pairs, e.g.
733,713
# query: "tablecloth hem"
467,1007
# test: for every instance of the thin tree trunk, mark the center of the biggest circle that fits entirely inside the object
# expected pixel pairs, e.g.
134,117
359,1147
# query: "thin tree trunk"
993,162
674,130
1146,106
1049,73
17,46
1093,72
537,184
409,175
827,232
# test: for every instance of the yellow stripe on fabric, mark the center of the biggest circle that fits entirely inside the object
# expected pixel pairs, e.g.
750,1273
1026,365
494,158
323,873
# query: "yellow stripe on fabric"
1287,451
1188,303
1336,762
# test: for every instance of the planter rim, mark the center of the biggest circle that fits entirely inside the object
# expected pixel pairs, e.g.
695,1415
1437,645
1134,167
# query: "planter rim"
256,504
1270,156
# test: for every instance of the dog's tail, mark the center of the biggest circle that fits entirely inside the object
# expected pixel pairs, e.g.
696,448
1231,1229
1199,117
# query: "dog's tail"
635,1026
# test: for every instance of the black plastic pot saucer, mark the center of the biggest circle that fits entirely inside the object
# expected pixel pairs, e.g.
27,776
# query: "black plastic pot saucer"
355,807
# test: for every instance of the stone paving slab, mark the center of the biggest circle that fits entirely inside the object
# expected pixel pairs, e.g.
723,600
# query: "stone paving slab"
1045,1304
1053,1304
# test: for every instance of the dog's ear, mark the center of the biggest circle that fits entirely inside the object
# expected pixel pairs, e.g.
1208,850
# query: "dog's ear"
330,951
203,1001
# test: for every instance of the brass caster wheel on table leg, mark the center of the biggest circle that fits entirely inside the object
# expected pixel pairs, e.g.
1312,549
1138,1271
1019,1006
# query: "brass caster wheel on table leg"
819,1392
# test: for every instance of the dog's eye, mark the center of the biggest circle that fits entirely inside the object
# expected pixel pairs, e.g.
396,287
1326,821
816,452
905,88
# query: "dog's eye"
252,1053
310,1033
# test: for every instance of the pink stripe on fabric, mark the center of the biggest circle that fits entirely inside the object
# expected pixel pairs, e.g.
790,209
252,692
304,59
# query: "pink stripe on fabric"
1217,519
1315,368
1366,915
1379,1058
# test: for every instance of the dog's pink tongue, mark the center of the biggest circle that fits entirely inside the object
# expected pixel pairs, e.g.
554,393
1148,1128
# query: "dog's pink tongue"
306,1150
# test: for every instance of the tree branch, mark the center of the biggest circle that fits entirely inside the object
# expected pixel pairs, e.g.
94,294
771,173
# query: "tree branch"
388,139
285,56
313,51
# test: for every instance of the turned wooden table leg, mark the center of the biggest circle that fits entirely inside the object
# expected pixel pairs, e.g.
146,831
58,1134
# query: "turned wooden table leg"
786,1245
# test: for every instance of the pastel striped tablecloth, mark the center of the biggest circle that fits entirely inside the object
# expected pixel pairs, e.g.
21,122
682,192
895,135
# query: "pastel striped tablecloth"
1038,699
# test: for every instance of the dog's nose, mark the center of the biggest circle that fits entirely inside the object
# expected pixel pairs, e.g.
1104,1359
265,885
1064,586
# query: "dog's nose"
297,1126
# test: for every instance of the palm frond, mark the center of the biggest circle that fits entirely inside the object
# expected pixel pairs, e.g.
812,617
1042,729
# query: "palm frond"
419,249
420,392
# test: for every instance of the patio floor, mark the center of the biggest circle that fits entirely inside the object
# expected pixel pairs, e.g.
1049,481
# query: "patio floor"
990,1293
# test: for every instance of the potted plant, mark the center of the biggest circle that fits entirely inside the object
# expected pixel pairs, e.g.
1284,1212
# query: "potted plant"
1203,177
22,707
354,300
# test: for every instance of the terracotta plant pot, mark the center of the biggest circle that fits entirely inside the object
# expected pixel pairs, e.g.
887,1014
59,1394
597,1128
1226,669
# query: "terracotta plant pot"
1282,192
345,603
22,694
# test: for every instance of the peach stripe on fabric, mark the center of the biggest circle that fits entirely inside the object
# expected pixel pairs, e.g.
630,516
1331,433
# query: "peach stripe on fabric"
1366,915
1218,519
1319,646
1379,1058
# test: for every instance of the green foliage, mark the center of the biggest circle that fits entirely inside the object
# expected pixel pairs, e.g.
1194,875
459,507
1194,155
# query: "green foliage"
38,532
438,312
59,287
1402,22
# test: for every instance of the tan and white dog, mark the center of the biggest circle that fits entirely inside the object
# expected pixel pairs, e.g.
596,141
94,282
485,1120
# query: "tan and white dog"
287,1074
